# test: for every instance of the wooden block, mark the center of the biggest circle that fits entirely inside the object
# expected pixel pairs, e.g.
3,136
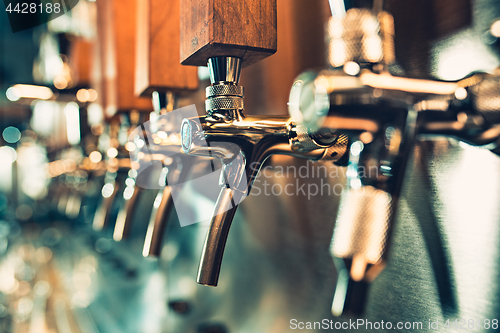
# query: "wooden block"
158,65
80,59
239,28
98,81
118,19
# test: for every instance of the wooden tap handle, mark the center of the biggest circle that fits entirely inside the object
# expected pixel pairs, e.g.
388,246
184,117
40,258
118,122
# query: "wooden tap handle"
239,28
117,21
158,65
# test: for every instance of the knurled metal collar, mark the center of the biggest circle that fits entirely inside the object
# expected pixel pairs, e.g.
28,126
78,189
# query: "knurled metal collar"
224,103
302,140
337,150
224,90
487,99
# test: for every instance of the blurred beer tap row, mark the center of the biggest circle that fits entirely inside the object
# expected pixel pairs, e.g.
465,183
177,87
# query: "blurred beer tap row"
360,138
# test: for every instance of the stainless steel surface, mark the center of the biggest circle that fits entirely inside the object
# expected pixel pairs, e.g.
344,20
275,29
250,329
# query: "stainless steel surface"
224,70
124,218
160,214
224,96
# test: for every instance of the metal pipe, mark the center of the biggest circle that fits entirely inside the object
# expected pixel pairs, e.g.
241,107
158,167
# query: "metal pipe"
125,217
158,223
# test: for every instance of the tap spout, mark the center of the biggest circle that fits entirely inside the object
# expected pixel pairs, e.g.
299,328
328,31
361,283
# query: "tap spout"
125,217
163,207
215,242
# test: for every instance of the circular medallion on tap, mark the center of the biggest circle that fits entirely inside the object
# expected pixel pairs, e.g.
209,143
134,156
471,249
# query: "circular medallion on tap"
186,135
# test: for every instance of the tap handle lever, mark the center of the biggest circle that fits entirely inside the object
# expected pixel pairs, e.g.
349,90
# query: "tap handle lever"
236,28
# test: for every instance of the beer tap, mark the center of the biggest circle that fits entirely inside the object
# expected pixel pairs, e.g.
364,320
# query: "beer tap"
116,58
178,169
160,76
118,167
382,115
471,116
242,142
380,124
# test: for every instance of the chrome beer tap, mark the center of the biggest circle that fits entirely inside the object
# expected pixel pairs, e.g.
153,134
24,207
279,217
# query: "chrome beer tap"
118,202
382,115
242,143
178,170
358,96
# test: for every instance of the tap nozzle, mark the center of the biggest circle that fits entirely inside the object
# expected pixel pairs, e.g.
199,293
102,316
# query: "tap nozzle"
162,207
126,215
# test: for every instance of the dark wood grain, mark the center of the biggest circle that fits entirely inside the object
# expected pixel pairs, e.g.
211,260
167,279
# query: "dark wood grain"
244,29
158,65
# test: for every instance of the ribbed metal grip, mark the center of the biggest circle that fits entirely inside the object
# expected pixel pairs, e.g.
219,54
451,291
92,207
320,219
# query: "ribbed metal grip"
487,99
224,96
360,36
337,150
302,141
224,103
362,225
224,90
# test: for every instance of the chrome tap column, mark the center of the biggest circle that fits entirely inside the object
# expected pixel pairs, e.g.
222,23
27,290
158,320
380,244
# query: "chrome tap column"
358,96
382,115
